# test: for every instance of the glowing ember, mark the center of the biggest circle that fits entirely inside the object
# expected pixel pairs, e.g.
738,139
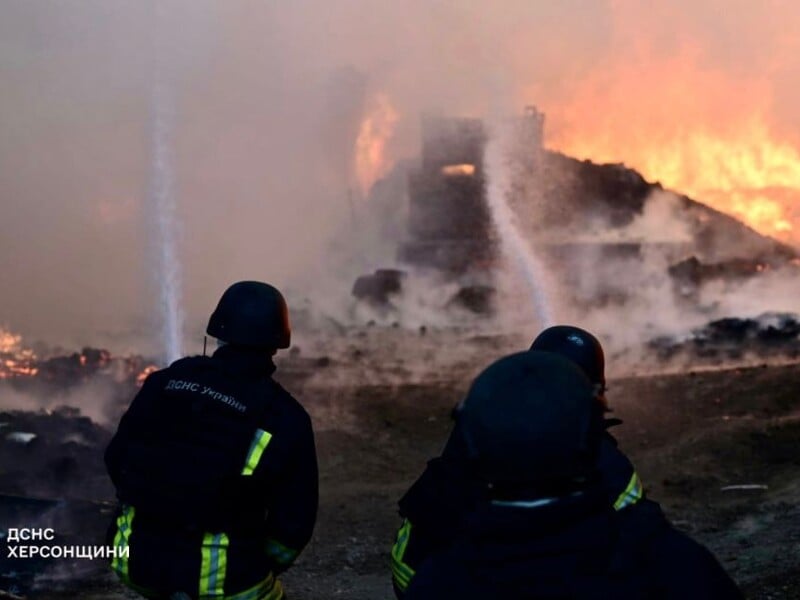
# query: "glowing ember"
15,359
458,170
377,128
144,374
9,342
18,362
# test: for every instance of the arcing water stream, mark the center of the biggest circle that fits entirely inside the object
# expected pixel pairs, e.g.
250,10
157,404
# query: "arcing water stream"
499,165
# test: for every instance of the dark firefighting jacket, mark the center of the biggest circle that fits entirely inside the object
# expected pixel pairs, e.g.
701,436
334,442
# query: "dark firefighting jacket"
574,547
436,506
216,474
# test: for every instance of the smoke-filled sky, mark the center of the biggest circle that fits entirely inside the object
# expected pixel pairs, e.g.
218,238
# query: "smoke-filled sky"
285,110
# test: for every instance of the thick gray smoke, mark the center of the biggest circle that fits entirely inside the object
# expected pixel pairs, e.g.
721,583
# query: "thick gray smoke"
268,101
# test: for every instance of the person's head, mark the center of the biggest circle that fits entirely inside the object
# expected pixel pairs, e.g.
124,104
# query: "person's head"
253,315
530,420
579,346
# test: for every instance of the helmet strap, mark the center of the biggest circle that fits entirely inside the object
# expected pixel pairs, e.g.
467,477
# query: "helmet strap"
205,340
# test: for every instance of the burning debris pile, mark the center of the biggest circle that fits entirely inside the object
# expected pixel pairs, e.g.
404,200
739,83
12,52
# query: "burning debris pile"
15,361
587,222
23,367
449,228
55,407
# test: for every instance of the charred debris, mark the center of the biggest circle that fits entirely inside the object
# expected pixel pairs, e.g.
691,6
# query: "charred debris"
579,216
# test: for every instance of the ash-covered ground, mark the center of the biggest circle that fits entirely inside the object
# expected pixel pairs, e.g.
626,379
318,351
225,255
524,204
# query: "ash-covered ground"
380,399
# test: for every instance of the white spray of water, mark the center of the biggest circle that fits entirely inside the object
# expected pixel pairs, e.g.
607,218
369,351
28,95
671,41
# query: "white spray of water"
162,200
498,164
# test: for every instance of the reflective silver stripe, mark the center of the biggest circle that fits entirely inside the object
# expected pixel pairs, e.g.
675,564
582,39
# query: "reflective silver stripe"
524,503
213,565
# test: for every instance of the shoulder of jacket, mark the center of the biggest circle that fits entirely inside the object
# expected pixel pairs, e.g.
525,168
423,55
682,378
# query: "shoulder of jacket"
189,362
288,403
179,368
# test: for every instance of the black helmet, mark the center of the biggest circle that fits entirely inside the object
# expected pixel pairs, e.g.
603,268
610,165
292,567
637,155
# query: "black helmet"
578,345
251,313
530,418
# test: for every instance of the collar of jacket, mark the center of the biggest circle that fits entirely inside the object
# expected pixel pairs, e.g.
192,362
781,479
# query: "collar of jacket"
532,517
245,361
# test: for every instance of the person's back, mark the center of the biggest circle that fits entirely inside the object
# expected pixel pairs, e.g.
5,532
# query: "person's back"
571,549
215,469
545,527
436,505
519,550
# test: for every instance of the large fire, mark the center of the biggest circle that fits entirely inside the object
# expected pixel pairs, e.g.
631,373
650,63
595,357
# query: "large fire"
371,157
699,128
749,174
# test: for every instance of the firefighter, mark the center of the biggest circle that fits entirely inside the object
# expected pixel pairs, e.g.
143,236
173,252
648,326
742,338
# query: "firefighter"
215,466
531,429
622,483
434,507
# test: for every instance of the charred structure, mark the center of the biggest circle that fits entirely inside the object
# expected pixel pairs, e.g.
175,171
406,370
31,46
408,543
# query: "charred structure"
448,218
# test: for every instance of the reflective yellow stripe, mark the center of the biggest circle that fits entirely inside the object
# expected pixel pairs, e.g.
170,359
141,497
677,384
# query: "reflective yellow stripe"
213,564
401,572
269,589
260,441
120,564
281,554
632,494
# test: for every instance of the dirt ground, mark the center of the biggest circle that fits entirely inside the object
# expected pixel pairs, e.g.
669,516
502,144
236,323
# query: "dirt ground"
689,435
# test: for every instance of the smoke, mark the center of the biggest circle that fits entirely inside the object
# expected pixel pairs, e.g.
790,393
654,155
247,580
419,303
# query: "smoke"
620,286
270,101
538,287
96,399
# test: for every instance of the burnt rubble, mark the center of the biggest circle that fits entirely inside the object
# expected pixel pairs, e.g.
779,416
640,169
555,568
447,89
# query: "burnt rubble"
379,287
51,456
24,370
690,274
574,211
768,335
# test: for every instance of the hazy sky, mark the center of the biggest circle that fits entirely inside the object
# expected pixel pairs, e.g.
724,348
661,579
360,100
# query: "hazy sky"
268,101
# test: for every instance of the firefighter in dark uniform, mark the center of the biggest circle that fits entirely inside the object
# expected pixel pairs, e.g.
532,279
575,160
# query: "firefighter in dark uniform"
543,527
435,506
215,466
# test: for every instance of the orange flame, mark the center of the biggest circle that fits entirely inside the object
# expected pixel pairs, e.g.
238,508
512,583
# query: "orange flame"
145,374
16,359
698,131
374,133
10,343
